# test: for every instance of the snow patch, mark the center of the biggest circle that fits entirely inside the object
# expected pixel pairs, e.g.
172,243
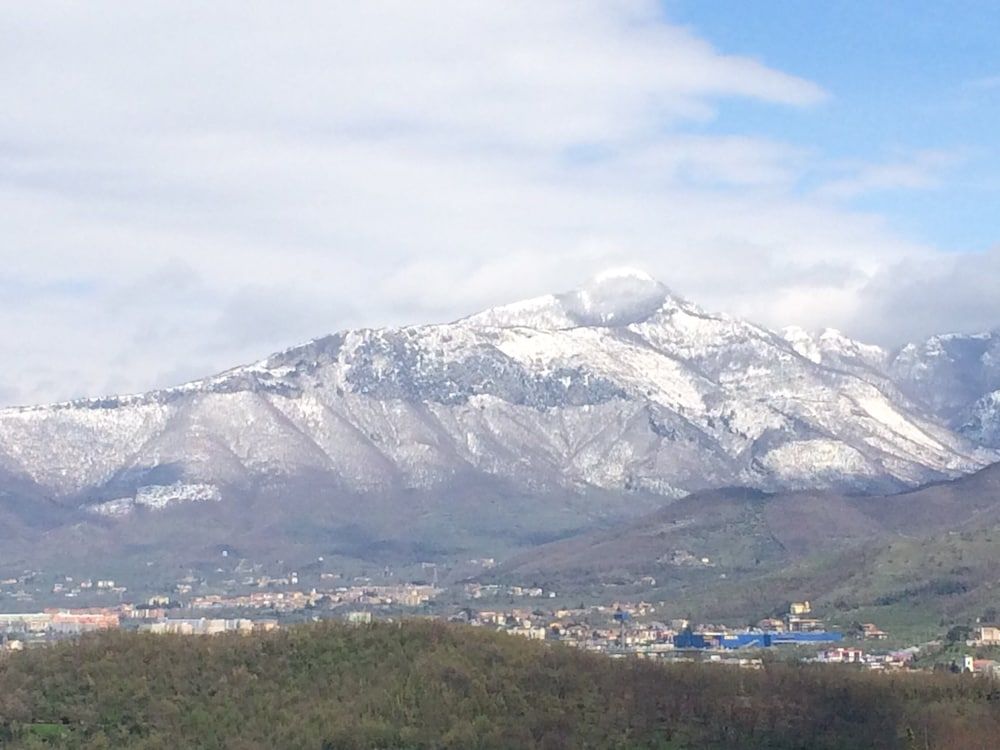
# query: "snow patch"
803,343
158,497
879,409
113,508
810,463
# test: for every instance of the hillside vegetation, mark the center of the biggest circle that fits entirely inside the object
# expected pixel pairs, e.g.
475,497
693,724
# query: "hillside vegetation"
430,685
919,560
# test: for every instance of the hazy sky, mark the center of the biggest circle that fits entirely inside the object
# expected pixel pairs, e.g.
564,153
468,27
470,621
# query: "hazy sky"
187,186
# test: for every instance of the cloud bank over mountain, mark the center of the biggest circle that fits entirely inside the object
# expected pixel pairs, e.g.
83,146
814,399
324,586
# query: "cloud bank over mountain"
201,185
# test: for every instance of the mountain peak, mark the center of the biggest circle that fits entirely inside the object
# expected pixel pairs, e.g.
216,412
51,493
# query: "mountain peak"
615,297
830,345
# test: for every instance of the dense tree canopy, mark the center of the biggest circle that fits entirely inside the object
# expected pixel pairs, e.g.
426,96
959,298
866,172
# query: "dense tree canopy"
431,685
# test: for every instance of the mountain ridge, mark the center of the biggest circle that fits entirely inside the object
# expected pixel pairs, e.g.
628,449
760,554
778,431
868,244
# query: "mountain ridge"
619,386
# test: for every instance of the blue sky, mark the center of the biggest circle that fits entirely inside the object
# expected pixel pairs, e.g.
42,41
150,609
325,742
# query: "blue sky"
904,78
186,186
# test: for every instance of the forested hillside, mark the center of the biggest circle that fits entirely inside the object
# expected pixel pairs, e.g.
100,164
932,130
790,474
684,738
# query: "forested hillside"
431,685
917,560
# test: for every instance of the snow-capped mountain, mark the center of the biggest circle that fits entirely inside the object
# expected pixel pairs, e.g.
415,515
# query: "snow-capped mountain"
954,376
619,385
958,377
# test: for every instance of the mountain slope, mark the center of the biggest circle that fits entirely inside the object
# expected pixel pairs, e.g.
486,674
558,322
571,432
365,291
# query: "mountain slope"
958,376
737,529
618,387
916,557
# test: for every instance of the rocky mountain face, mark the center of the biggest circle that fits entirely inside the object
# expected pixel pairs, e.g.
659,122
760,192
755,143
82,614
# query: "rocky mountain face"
619,386
959,378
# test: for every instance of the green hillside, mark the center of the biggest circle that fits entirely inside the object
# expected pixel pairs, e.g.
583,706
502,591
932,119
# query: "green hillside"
914,588
430,685
916,562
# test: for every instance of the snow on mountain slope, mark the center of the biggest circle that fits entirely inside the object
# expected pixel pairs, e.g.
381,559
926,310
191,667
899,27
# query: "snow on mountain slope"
834,349
158,497
955,375
981,421
618,385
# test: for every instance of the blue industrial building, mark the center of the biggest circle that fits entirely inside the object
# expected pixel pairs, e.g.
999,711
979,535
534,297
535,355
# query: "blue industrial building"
687,639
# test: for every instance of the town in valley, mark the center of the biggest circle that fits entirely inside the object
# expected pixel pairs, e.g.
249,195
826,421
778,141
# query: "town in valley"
34,611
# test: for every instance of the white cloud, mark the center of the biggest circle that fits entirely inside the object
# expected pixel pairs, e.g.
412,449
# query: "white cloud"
919,171
186,186
943,293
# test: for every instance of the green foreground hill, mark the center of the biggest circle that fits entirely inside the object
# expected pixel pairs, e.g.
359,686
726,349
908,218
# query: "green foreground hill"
431,685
